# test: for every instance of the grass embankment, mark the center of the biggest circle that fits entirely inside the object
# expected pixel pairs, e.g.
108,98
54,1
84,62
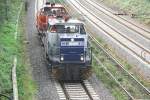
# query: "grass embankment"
27,87
141,8
10,47
100,72
116,91
122,77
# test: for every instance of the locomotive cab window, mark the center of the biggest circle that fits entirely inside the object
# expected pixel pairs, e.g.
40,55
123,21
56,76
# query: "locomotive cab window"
68,29
82,30
56,29
72,29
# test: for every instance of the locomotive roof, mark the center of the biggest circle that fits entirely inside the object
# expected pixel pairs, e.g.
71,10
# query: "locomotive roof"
62,21
55,5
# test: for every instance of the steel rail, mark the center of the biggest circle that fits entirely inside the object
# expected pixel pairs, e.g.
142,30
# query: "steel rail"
114,17
144,49
76,85
118,63
147,31
86,90
129,95
64,90
142,58
121,66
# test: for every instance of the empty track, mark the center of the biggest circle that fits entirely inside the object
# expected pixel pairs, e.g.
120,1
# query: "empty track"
139,30
125,74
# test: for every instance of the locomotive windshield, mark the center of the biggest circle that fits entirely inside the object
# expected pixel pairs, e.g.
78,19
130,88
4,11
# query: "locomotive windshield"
54,10
69,29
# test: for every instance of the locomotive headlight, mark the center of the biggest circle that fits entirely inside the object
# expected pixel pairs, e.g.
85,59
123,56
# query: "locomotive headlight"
72,40
82,58
61,58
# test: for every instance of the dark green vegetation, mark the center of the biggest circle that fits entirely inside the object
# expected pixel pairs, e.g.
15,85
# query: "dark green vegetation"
140,8
9,47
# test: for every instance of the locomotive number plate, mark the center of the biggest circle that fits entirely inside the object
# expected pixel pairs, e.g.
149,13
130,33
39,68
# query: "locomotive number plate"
73,43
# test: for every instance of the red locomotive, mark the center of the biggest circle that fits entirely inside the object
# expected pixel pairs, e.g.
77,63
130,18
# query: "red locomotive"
49,11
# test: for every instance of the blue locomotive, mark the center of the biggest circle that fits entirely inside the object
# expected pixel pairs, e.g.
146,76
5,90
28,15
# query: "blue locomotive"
67,49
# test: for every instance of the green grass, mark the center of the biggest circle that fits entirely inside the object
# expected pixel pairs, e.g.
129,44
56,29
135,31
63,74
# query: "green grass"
27,87
119,75
108,82
10,47
139,7
124,62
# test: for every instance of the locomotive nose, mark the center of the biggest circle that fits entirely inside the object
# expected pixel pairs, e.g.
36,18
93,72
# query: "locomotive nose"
72,50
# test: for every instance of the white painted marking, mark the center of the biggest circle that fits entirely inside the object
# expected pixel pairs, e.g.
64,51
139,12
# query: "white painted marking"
14,78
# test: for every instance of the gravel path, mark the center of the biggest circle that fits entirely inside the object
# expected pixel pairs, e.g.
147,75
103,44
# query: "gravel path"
46,87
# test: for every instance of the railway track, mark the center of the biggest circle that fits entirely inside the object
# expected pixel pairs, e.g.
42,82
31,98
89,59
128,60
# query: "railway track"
76,91
144,90
121,69
139,30
71,90
128,43
119,25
